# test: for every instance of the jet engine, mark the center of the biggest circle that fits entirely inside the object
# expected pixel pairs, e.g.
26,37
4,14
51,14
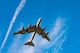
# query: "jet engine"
47,33
22,28
43,28
29,25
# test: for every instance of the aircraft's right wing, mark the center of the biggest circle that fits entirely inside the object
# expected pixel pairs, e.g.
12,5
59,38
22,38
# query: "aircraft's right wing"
46,36
40,31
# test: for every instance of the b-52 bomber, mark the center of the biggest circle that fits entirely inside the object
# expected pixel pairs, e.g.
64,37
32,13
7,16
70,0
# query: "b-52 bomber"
35,29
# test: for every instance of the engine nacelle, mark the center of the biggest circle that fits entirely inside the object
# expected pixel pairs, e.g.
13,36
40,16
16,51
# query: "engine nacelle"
47,33
22,28
29,25
43,28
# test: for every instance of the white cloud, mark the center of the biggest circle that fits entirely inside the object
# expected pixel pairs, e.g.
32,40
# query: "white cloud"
42,45
58,46
59,36
14,45
59,24
13,20
25,49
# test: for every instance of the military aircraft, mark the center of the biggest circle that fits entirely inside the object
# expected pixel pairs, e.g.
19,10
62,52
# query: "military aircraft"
35,29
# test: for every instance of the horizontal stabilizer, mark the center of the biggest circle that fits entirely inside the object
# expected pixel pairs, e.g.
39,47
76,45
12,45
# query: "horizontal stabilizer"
30,43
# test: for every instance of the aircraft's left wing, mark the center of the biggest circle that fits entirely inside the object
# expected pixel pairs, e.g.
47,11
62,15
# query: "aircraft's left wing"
18,32
22,31
31,29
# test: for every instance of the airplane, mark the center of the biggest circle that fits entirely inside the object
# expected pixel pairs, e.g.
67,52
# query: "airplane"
35,29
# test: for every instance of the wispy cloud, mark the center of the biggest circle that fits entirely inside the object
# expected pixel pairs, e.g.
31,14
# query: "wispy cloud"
13,20
57,35
58,46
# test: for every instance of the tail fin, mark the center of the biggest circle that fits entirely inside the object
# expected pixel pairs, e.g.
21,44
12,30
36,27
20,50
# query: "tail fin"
30,43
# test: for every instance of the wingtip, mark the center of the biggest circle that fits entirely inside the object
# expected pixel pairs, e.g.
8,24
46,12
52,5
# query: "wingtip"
48,38
13,33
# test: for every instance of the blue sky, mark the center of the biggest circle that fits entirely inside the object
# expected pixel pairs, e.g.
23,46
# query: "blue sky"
61,18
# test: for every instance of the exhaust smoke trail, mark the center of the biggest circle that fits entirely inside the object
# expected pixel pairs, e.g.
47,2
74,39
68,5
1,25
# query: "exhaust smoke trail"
12,21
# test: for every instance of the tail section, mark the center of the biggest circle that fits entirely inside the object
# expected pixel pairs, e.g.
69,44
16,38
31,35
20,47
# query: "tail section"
30,43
